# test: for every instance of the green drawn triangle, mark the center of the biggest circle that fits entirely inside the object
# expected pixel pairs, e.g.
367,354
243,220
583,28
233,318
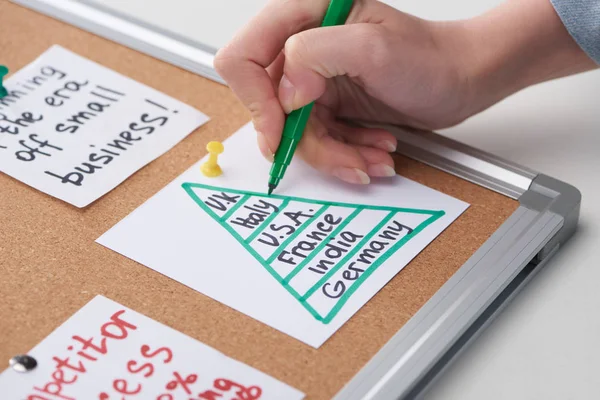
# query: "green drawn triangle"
324,205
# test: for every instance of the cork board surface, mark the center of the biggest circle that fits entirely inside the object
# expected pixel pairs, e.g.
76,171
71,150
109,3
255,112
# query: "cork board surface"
50,266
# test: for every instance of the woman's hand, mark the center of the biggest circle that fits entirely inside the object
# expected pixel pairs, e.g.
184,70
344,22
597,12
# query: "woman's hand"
384,66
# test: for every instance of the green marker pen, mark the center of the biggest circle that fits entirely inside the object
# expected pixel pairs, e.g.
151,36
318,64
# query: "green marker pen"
296,121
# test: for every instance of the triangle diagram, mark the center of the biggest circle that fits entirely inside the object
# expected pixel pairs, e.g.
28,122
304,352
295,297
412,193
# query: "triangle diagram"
321,252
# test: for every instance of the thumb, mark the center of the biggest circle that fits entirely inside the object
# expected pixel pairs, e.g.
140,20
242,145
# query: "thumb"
313,56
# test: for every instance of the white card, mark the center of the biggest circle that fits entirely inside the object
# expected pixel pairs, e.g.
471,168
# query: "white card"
302,261
106,351
75,129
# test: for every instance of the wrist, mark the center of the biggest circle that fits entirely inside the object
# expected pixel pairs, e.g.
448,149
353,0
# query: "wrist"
519,44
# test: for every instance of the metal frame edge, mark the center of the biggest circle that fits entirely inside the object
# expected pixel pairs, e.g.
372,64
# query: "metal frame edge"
468,302
128,31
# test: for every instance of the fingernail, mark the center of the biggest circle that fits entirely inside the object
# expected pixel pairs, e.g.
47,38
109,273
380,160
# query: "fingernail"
381,170
287,94
352,175
388,146
263,145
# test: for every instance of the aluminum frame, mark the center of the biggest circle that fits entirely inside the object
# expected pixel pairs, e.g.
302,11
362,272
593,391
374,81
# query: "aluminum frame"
546,218
410,362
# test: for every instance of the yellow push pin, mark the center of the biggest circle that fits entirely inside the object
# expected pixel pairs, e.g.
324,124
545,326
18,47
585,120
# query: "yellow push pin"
210,168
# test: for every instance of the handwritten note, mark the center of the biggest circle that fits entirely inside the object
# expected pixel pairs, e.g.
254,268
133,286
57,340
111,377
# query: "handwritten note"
107,351
303,260
75,129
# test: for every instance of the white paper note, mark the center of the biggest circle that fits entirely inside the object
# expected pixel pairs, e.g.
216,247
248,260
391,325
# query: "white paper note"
107,351
75,129
302,261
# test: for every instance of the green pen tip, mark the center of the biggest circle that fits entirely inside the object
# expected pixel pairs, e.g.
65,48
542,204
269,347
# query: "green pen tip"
271,188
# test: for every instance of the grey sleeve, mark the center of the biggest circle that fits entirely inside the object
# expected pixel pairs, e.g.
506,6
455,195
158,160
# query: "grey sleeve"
582,19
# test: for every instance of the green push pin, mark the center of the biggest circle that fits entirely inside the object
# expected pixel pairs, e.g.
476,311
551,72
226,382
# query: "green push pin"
3,72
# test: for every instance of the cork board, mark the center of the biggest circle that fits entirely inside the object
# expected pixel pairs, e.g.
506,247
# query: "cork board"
50,266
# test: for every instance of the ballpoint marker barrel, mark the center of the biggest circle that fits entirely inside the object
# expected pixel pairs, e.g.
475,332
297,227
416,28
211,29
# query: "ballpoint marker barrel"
292,133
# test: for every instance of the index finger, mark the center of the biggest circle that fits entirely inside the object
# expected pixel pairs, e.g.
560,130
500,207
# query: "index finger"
243,62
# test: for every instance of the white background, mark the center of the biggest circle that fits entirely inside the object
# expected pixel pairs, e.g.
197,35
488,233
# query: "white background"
545,345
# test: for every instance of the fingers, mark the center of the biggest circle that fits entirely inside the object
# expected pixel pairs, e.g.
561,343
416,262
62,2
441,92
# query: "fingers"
313,56
332,148
264,37
330,156
379,163
275,70
244,61
374,146
376,138
370,137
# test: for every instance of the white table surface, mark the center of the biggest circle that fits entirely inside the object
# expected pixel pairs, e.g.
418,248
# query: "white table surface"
546,345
